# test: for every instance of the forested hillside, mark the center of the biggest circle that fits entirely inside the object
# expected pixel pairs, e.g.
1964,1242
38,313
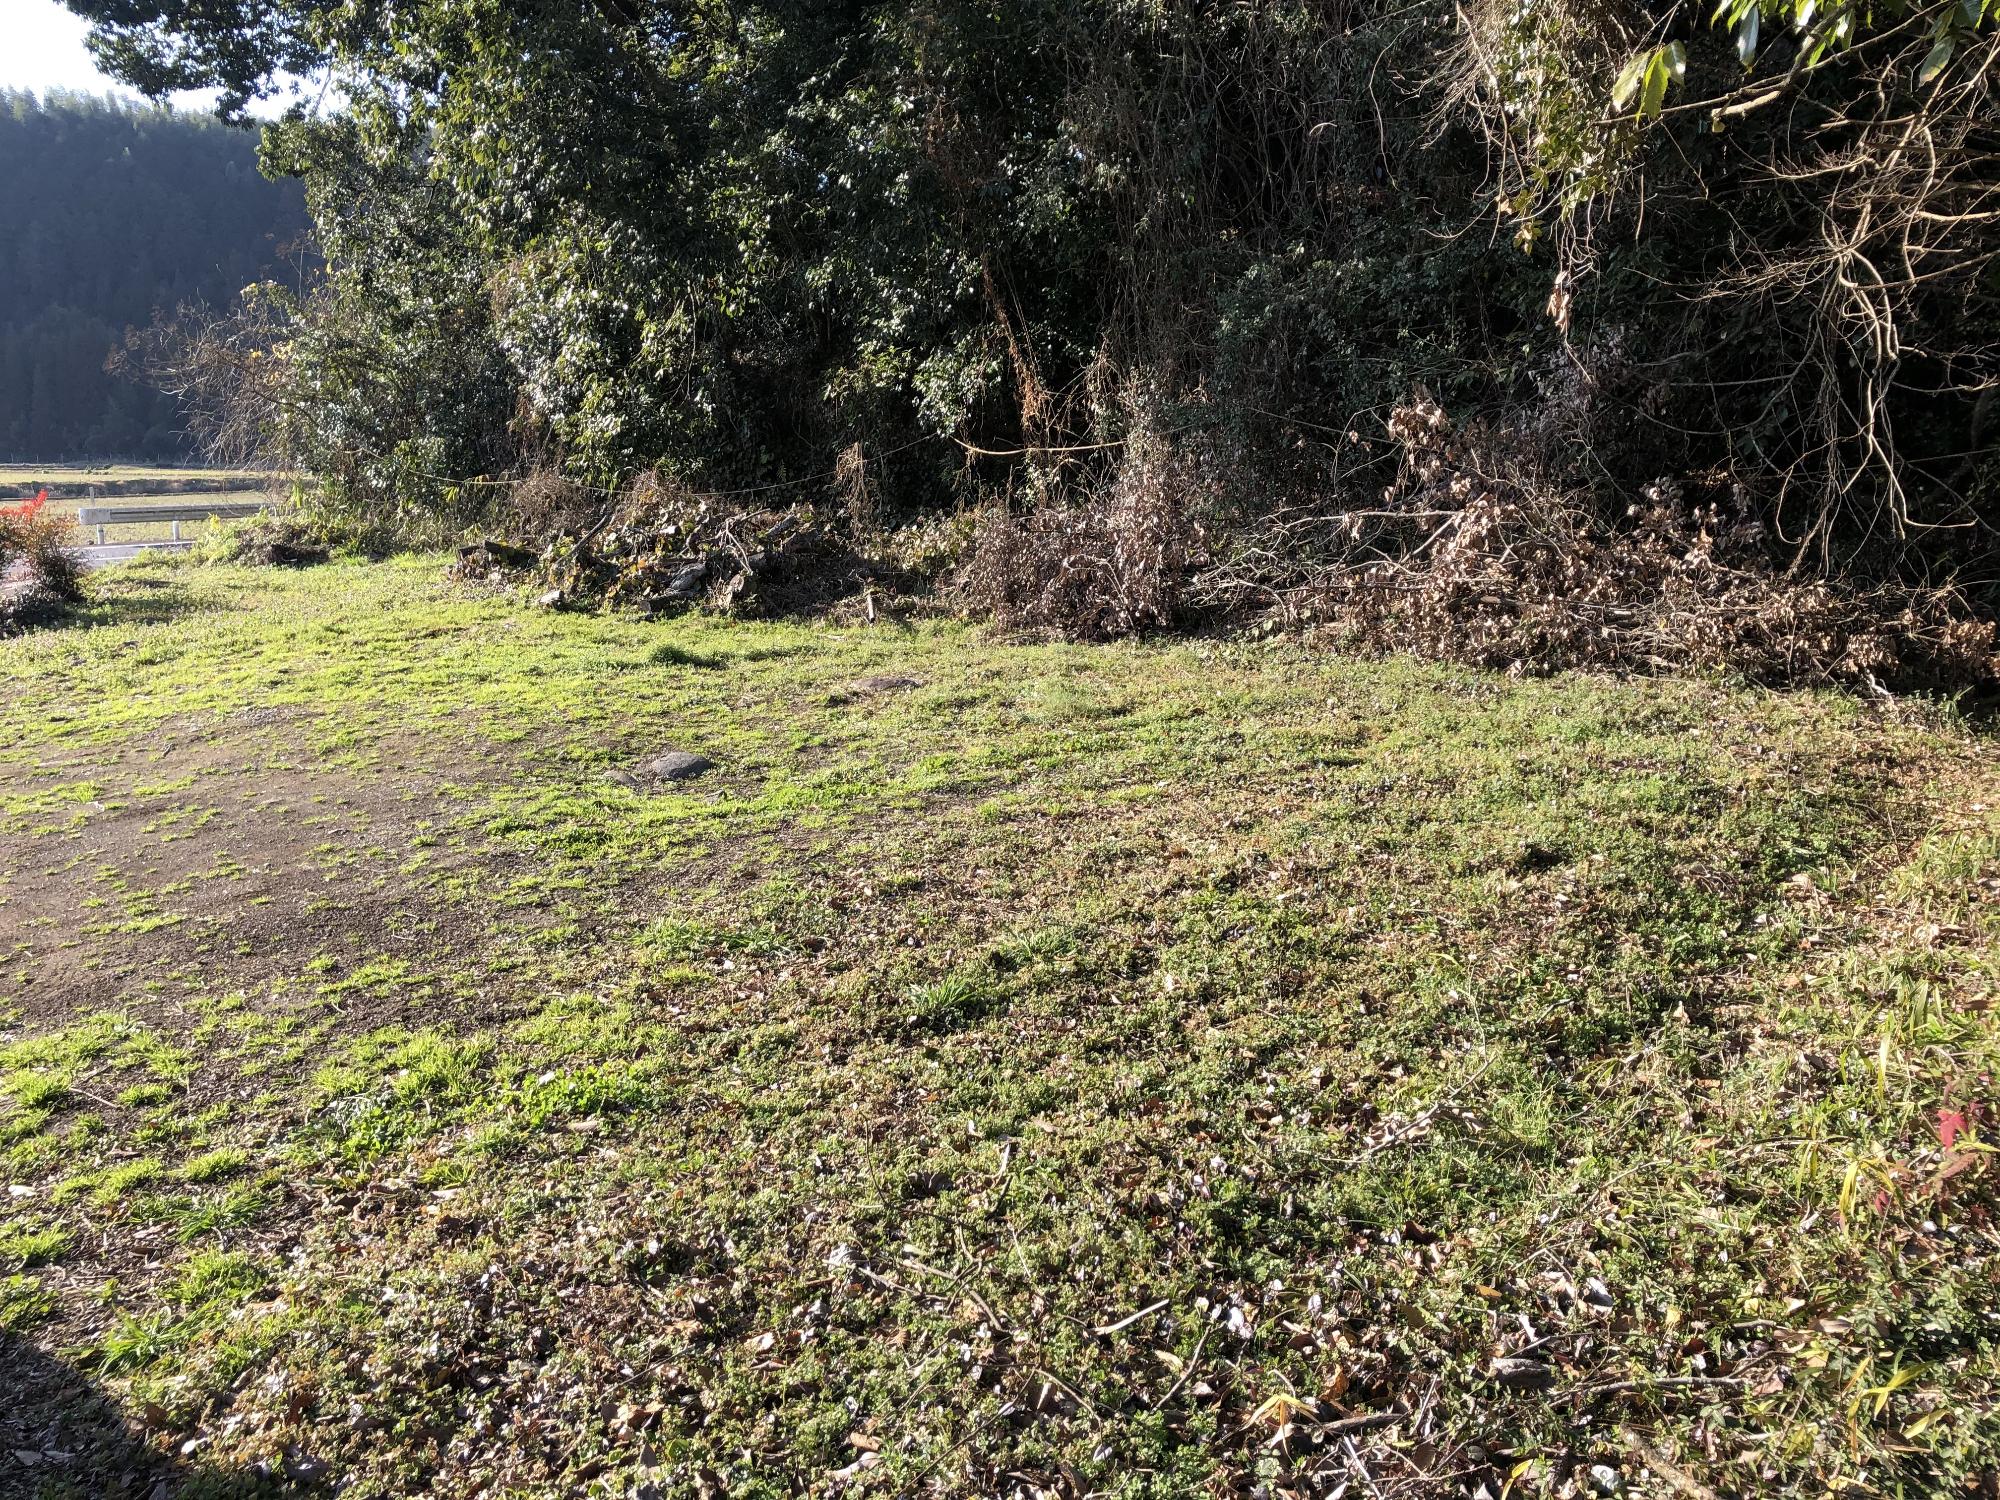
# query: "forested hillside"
116,212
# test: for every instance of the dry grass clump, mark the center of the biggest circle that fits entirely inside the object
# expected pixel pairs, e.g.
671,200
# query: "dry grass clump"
1475,554
1115,564
547,504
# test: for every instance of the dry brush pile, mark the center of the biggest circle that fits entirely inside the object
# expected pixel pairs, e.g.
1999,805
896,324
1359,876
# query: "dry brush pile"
1116,562
660,547
1482,547
1477,552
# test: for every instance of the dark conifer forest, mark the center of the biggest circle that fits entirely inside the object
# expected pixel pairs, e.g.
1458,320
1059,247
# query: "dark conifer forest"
116,213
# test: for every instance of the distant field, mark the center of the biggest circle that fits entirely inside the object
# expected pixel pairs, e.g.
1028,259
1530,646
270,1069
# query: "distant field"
125,481
162,531
71,487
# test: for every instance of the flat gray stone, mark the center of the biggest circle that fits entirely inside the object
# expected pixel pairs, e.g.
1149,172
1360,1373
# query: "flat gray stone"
676,765
887,683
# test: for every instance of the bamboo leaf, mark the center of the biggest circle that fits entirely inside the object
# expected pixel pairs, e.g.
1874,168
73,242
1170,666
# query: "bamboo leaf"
1627,86
1938,60
1654,94
1746,36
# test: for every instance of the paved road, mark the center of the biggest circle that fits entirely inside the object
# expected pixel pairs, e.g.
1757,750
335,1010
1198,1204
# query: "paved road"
117,552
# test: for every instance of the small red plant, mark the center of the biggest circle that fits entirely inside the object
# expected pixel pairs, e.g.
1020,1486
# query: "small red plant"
1951,1125
1955,1123
27,510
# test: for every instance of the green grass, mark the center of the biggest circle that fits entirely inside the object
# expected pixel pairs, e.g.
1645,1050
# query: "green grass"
1360,1027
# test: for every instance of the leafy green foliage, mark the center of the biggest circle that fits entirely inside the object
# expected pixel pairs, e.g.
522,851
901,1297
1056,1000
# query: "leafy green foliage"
1001,253
1643,83
1821,31
733,243
391,388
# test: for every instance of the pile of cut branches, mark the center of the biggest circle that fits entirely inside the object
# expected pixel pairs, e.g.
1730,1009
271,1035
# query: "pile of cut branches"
1477,552
660,547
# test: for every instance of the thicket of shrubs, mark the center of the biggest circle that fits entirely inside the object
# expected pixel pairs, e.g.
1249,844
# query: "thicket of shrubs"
39,568
1532,335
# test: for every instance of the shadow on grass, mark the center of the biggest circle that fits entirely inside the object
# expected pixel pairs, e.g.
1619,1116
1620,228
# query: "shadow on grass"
675,656
62,1438
135,600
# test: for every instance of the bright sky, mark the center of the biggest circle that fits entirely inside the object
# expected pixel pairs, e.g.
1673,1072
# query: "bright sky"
41,48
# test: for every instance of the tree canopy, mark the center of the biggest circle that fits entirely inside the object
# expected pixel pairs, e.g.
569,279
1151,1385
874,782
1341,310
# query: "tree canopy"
990,245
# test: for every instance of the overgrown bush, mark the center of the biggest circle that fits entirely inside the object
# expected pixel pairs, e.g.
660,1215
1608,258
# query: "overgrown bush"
39,568
1000,250
1112,565
1482,550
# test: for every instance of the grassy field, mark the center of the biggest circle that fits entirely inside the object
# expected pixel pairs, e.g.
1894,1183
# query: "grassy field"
1183,1070
113,479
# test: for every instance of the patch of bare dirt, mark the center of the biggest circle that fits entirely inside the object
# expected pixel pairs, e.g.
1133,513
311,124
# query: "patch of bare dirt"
270,858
